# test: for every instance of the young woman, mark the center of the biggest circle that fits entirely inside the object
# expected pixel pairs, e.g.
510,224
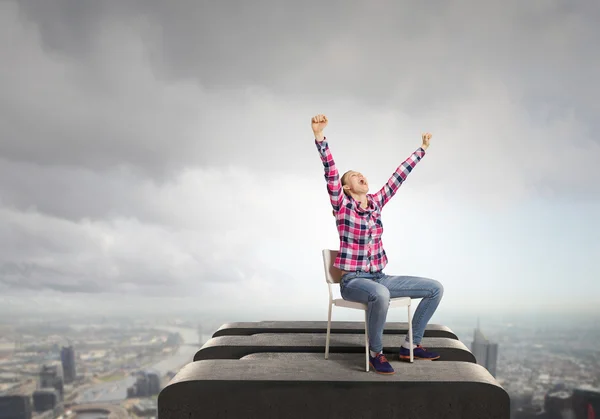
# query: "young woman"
361,256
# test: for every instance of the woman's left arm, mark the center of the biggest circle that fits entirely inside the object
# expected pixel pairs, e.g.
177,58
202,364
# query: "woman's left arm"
399,176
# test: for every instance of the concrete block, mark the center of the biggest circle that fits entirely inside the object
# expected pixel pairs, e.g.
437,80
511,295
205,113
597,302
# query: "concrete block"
236,347
252,328
300,386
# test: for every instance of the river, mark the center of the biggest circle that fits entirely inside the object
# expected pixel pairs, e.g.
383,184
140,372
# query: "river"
117,390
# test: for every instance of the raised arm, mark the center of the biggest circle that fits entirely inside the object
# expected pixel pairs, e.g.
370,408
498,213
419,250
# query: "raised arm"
399,176
332,176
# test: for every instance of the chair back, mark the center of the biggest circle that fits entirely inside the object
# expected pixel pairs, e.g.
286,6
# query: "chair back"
332,274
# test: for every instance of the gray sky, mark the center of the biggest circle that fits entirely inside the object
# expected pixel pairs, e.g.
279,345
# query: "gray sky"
153,152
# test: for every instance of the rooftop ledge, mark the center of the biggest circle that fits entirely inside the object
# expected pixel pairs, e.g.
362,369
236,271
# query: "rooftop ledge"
284,375
236,347
392,328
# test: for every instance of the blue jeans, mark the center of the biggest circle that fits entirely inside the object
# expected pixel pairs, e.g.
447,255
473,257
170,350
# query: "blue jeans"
376,289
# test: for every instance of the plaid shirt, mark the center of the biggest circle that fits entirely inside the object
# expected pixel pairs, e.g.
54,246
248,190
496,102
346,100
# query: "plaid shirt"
360,230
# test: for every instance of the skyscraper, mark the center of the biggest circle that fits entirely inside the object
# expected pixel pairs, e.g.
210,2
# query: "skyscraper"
15,407
67,356
45,399
485,352
52,376
153,383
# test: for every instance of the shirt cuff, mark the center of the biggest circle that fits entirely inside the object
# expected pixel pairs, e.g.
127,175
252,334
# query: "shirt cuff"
321,145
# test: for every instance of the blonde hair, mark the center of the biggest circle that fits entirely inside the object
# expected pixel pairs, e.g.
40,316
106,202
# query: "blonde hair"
343,180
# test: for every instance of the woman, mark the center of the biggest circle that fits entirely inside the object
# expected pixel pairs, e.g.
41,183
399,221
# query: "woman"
361,256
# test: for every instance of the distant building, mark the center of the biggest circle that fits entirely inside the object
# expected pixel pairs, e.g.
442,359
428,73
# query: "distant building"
67,356
45,399
558,404
520,399
485,352
146,408
142,385
153,383
15,407
51,377
49,373
586,403
147,384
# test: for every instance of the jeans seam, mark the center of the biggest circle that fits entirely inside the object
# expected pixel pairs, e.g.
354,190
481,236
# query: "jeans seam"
425,301
368,311
418,319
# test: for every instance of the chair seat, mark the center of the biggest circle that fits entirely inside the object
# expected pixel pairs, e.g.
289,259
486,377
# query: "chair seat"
394,302
400,302
340,302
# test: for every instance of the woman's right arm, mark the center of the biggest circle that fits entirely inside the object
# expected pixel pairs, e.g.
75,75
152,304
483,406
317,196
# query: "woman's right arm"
332,176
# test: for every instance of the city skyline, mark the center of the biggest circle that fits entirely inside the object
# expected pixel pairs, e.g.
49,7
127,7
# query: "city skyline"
551,380
484,350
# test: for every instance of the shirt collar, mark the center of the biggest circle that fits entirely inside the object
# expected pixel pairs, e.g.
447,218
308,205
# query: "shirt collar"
370,206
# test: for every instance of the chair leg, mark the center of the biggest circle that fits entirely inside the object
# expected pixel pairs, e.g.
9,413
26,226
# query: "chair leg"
366,342
328,332
410,335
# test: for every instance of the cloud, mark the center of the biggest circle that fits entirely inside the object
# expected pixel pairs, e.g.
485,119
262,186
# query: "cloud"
157,151
203,230
107,113
155,88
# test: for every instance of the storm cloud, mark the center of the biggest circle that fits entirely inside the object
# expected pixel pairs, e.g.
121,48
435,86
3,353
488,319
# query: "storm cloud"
162,149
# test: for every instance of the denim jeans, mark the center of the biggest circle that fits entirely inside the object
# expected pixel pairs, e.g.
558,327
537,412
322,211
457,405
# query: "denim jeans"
376,289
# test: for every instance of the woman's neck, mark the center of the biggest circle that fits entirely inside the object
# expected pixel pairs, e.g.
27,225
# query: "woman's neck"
364,202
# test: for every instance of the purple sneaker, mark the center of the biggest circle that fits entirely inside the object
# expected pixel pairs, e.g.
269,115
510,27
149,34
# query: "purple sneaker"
419,353
380,364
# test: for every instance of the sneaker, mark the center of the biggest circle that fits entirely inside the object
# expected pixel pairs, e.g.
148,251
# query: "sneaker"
380,364
418,353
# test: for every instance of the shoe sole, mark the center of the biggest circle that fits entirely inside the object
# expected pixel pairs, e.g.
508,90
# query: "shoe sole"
407,358
381,372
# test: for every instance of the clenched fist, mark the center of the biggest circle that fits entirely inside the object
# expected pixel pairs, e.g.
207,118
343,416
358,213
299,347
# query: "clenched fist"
319,122
425,137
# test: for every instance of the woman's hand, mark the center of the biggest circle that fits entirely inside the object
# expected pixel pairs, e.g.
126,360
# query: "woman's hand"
426,137
319,122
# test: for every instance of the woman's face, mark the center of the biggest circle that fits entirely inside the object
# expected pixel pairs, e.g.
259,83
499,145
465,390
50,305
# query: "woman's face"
355,182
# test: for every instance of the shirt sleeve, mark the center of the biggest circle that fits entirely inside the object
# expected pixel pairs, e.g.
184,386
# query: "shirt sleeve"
398,177
332,177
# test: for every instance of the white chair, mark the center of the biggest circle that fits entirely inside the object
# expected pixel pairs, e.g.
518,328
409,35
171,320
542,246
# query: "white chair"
333,276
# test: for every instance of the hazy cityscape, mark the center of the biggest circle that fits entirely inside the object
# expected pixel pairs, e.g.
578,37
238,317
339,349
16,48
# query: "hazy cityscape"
76,368
121,364
540,366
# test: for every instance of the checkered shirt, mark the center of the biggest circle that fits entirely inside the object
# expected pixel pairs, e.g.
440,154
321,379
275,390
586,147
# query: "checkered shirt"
360,230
